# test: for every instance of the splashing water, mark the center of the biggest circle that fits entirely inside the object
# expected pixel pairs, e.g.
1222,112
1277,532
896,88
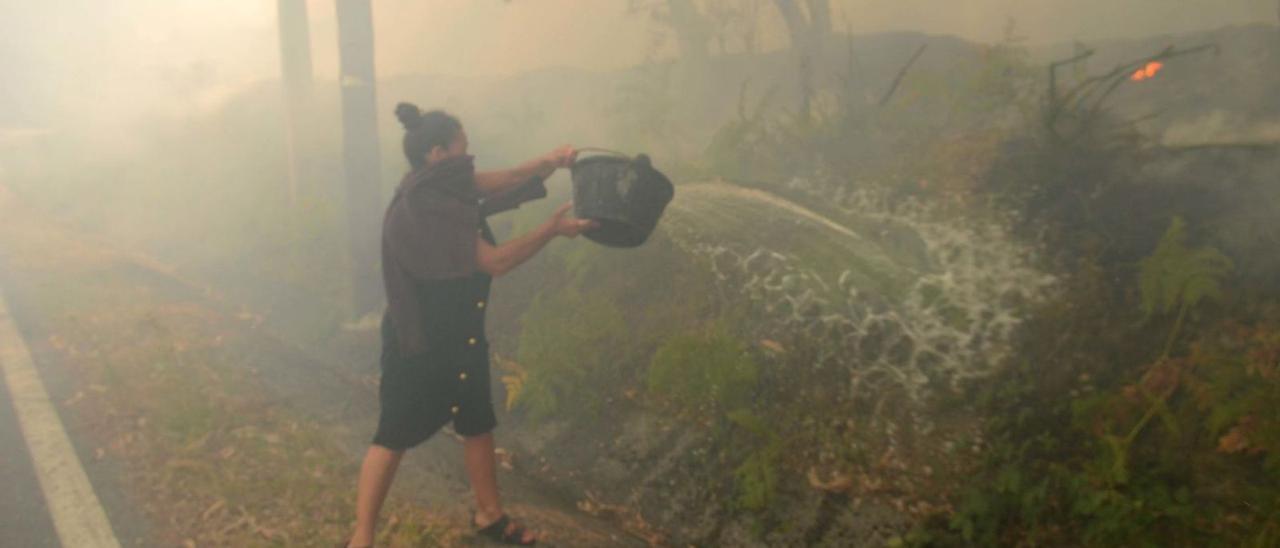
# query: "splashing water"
903,301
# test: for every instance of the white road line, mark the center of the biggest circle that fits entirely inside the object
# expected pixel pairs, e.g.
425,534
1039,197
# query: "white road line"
77,515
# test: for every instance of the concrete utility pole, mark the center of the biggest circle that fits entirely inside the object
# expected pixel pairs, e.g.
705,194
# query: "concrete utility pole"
295,68
360,151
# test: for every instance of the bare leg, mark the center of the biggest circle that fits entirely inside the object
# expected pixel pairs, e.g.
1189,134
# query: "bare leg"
481,468
376,473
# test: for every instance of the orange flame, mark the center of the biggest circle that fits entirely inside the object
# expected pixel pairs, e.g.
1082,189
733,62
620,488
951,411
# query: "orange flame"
1147,72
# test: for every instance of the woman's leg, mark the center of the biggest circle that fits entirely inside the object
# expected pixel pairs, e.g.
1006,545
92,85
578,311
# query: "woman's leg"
376,473
482,469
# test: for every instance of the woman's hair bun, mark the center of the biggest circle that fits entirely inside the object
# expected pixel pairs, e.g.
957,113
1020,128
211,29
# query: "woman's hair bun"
410,115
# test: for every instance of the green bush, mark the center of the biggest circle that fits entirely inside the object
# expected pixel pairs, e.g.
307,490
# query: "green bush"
757,477
571,345
703,372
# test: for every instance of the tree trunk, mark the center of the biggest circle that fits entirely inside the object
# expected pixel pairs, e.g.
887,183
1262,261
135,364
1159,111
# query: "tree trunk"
806,30
819,19
690,28
806,34
797,26
751,25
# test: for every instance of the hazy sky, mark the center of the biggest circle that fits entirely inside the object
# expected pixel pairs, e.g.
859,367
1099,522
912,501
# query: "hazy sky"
82,59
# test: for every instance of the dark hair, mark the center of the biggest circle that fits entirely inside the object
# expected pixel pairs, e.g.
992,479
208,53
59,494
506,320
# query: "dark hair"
425,131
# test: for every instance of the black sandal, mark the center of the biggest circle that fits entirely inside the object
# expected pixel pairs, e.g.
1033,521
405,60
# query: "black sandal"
497,532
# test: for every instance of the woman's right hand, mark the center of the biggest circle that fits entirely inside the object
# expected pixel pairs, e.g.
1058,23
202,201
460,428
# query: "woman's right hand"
562,156
570,227
548,163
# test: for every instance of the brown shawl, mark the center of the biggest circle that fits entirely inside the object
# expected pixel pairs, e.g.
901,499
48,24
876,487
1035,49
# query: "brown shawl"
429,233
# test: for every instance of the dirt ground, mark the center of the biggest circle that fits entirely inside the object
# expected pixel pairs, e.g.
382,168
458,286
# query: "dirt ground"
225,435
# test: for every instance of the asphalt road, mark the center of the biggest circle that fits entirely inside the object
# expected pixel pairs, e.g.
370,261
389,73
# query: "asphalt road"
24,515
60,438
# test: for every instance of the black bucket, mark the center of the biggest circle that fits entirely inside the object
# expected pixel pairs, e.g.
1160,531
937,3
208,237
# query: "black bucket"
625,195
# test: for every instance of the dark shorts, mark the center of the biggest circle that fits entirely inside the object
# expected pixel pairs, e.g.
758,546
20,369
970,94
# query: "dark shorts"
420,395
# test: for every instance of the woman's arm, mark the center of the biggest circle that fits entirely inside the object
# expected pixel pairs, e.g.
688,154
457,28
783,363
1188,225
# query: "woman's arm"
493,183
501,259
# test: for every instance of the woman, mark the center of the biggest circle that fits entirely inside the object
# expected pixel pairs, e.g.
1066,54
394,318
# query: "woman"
438,257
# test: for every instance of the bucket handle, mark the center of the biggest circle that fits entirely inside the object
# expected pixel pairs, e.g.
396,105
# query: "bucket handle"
605,151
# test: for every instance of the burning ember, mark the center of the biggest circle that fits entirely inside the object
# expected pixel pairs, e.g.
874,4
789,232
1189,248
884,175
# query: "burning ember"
1147,72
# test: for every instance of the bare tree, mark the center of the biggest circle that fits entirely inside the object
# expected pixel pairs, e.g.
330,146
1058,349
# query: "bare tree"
750,24
808,25
808,29
733,19
820,16
808,22
723,17
691,28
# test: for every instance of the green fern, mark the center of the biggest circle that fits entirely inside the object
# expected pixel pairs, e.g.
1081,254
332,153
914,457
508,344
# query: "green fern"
1179,277
1175,273
1173,276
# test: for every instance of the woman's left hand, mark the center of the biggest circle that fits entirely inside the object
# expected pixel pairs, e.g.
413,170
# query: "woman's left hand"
570,227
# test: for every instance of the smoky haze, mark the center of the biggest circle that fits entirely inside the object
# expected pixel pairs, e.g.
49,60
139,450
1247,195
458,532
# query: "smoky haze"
83,63
921,255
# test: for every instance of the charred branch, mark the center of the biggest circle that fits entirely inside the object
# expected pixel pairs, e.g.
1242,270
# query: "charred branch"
1084,102
902,72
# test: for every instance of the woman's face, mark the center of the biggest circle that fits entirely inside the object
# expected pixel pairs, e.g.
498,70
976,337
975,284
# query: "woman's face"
457,147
